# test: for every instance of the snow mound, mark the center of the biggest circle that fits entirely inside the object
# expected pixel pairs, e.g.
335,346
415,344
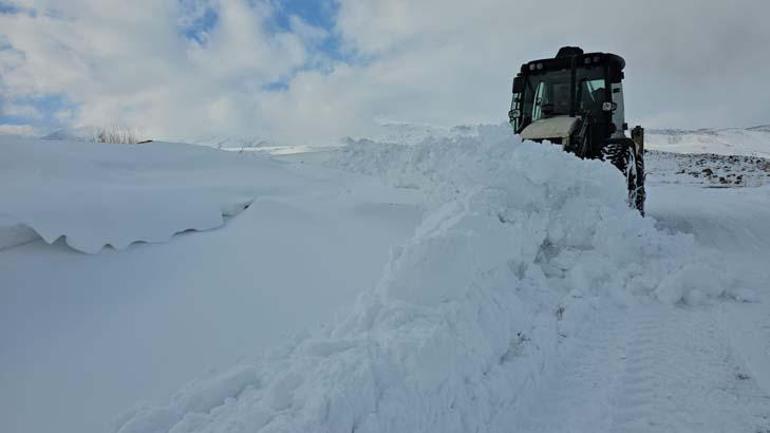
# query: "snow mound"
94,195
523,242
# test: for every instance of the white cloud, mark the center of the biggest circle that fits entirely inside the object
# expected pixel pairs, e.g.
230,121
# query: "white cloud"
24,130
701,59
128,63
690,63
20,110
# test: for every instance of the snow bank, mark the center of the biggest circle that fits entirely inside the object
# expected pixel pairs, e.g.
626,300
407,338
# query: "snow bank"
95,195
522,242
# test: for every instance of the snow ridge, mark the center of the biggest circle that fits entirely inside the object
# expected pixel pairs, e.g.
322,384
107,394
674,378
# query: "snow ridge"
522,242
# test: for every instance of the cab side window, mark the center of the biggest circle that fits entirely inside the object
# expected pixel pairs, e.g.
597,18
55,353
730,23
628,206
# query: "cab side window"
591,95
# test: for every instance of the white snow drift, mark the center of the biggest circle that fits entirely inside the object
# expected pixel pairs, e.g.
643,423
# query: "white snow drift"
85,336
522,242
95,195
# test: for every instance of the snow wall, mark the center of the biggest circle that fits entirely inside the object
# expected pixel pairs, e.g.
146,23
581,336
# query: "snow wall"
523,244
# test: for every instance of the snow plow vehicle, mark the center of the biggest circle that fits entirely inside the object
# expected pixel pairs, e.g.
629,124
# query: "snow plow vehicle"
575,100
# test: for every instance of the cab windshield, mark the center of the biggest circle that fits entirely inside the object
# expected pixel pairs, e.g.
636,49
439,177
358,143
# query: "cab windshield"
550,94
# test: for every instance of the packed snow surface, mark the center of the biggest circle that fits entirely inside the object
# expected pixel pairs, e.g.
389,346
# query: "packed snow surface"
499,286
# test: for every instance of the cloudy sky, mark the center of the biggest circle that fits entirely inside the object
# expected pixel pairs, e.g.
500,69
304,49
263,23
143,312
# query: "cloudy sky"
299,70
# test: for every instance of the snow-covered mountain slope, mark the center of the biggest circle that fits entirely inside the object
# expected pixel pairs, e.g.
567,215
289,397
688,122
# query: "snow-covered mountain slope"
708,170
754,141
392,132
230,142
732,141
527,296
71,134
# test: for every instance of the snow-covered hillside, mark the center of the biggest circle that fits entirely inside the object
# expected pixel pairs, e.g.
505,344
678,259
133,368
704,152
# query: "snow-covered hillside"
84,337
466,282
753,141
707,169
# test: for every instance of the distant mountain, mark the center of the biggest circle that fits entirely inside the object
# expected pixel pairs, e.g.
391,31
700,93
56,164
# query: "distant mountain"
753,141
228,142
402,133
71,134
761,128
412,133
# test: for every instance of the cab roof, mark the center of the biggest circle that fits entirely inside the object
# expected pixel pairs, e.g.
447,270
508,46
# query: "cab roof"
565,57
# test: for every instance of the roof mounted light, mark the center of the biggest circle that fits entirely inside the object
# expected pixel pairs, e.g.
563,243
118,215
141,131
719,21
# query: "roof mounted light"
531,66
539,66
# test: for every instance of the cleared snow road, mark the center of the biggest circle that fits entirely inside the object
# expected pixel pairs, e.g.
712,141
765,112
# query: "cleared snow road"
657,368
651,369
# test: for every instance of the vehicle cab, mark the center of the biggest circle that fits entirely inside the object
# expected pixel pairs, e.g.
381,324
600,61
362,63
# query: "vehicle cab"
574,92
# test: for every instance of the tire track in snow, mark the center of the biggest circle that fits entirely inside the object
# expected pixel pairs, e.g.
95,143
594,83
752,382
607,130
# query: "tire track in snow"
650,368
576,395
681,375
635,394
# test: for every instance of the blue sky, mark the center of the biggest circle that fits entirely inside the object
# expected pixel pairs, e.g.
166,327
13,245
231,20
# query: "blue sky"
319,13
45,107
7,8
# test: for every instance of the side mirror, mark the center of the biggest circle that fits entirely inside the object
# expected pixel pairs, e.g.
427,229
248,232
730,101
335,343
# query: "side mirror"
518,84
